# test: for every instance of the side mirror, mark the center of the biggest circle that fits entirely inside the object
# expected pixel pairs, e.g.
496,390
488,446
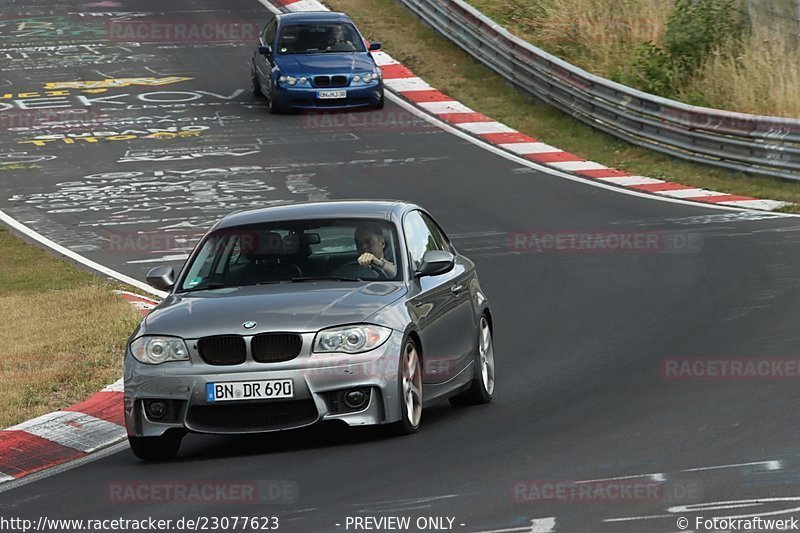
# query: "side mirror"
265,50
436,262
161,278
374,46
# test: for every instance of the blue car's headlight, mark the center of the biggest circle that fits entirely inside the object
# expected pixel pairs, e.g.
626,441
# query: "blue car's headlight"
293,80
366,77
351,339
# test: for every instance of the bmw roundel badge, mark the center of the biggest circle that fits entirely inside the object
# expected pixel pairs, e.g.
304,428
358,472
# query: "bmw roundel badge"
249,324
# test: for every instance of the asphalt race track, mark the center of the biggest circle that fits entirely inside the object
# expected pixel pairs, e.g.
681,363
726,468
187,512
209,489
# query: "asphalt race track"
129,173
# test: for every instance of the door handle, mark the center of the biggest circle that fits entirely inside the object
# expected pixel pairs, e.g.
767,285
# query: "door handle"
456,289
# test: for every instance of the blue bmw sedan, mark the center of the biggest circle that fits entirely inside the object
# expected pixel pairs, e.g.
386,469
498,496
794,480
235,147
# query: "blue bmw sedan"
315,60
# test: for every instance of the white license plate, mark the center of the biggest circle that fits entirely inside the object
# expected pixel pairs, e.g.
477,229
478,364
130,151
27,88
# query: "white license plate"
328,95
249,390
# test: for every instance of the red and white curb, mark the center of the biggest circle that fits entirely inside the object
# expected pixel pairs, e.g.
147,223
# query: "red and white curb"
71,433
415,90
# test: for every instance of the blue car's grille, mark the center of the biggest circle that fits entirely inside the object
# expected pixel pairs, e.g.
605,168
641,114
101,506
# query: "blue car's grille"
330,81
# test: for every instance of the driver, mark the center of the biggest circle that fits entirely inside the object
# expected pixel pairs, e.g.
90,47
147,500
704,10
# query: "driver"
371,244
338,40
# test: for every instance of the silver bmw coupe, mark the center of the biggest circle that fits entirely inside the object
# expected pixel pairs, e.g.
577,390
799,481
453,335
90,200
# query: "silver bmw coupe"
284,317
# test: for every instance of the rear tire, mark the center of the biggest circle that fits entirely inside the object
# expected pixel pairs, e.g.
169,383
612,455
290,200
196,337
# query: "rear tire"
156,448
410,389
482,389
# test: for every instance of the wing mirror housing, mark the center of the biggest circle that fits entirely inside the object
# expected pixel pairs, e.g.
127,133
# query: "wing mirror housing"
374,46
265,50
161,278
436,262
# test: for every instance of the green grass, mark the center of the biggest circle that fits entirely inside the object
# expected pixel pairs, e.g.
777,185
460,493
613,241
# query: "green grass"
448,68
63,333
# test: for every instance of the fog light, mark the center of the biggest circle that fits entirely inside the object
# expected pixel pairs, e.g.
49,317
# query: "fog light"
355,398
156,409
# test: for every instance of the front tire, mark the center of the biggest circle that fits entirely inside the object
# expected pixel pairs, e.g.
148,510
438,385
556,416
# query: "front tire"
410,388
255,86
482,389
381,102
156,448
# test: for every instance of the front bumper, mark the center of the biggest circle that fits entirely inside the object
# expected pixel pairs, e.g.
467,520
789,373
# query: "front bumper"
306,97
320,381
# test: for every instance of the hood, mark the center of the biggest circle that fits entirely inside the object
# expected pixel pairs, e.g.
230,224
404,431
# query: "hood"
326,63
298,307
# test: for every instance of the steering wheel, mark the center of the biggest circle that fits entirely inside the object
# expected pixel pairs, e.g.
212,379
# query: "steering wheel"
374,268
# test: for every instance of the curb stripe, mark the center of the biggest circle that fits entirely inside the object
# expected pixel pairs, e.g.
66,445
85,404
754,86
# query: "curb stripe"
395,70
461,118
484,127
665,186
73,430
22,453
431,95
574,166
603,173
508,138
529,148
407,84
553,157
729,198
103,405
449,106
627,181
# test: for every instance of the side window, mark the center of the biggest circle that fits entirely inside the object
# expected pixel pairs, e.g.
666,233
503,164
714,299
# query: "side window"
438,235
269,33
419,238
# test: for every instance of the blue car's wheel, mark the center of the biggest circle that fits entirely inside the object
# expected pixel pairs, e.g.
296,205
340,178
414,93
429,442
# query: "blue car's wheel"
274,108
255,85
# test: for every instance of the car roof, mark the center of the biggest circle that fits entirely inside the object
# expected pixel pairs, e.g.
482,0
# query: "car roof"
378,209
312,16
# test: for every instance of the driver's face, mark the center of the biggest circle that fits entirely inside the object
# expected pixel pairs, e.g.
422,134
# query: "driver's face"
369,242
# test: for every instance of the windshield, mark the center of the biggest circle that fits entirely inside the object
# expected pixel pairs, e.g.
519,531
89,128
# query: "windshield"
319,38
295,251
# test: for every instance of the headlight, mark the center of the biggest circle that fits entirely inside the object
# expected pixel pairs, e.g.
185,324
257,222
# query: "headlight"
366,77
293,80
351,339
154,350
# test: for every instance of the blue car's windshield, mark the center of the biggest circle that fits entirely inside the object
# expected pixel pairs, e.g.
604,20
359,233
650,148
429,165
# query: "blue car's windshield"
319,39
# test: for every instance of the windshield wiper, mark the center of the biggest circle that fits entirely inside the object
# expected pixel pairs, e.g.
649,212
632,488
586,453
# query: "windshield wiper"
323,278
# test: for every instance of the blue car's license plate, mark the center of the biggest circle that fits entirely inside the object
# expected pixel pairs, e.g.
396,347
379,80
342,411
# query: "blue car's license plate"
328,95
249,390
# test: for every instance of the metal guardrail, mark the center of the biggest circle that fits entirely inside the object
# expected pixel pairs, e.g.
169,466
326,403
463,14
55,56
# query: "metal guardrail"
753,144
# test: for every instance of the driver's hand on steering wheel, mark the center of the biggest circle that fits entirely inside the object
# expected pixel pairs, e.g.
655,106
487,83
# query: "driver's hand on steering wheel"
367,260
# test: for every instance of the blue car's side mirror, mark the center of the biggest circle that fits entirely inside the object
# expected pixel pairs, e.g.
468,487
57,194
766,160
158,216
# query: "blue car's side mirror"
265,50
374,46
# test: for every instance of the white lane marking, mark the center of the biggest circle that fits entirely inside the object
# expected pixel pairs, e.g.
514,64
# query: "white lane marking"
653,477
74,430
690,193
450,106
407,84
162,259
25,230
485,127
537,525
758,204
578,165
768,465
631,180
529,148
631,518
423,499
